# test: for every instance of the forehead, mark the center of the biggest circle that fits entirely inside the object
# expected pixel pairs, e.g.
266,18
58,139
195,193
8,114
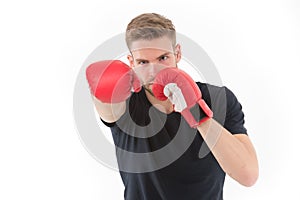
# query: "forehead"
151,48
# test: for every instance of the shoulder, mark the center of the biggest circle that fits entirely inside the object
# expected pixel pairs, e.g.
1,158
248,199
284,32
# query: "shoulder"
213,93
225,106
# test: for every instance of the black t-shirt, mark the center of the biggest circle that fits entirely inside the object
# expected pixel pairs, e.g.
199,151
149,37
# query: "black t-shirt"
184,168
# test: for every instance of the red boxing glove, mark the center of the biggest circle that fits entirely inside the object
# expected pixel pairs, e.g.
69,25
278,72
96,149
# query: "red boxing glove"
111,81
177,86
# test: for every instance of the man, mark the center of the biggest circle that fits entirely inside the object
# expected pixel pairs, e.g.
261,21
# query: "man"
168,106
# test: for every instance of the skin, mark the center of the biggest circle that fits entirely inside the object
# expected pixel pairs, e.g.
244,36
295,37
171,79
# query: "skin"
157,52
235,153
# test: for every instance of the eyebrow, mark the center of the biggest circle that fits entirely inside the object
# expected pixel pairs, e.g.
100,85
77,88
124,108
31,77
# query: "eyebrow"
165,54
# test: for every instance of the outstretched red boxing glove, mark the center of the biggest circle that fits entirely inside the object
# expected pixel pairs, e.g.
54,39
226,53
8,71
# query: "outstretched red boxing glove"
177,86
111,81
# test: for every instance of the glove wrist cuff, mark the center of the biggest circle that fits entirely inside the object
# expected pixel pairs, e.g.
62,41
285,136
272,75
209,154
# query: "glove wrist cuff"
197,114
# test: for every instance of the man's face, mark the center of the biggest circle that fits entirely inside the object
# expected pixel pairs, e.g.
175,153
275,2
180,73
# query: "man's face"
149,57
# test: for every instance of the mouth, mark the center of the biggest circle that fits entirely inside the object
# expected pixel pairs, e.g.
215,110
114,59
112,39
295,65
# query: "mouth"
148,84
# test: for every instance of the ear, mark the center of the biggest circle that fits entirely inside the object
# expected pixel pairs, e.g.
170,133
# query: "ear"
130,59
178,53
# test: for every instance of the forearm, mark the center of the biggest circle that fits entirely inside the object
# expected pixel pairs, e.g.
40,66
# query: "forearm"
111,83
235,154
109,112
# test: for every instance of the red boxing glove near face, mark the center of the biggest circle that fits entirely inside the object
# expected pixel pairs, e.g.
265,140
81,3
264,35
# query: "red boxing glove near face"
111,81
177,86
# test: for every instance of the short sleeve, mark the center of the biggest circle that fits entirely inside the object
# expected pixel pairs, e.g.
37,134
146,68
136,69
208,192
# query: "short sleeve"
234,121
107,123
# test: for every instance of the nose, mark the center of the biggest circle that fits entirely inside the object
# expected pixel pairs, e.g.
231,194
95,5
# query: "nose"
147,73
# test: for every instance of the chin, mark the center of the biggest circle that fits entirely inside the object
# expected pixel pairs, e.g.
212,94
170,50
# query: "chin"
149,86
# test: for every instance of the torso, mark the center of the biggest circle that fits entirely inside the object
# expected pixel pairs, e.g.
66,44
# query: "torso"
188,176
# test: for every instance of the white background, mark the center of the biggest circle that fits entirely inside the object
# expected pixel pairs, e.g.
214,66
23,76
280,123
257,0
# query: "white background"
255,45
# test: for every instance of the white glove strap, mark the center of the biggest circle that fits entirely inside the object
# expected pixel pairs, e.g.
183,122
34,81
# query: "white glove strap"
174,94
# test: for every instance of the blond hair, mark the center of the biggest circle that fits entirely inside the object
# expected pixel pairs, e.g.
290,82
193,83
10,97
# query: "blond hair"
149,26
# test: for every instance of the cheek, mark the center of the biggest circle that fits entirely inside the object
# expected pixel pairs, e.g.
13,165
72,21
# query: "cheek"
147,73
171,62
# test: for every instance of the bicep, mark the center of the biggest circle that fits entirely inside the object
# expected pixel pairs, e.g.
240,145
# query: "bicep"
234,121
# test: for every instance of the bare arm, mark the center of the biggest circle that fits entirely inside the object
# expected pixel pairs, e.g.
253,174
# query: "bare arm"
235,153
109,112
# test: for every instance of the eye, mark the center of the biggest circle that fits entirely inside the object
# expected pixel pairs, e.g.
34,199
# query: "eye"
142,62
163,58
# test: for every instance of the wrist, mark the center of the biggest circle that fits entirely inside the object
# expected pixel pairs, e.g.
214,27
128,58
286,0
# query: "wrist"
209,126
195,115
